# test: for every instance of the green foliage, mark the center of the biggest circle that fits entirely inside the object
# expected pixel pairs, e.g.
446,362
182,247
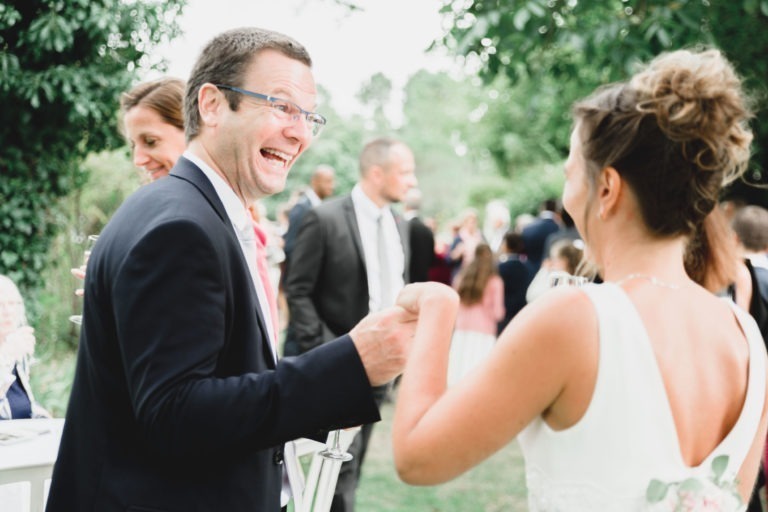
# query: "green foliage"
64,64
560,50
85,211
375,94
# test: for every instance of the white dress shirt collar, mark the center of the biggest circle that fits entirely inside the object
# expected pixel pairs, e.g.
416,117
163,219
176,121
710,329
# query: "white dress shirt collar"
314,199
368,214
238,215
366,205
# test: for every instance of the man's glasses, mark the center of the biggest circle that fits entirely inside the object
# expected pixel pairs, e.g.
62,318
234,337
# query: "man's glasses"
284,109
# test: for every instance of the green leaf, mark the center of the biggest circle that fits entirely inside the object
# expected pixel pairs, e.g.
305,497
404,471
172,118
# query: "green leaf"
664,38
719,465
656,491
521,18
536,9
691,485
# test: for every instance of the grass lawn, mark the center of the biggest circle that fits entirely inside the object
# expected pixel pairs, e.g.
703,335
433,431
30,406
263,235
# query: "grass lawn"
496,485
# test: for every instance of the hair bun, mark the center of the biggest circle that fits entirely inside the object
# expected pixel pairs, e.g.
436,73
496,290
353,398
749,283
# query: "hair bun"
697,100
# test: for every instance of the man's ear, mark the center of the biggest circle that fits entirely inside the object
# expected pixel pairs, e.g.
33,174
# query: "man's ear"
210,101
609,191
375,173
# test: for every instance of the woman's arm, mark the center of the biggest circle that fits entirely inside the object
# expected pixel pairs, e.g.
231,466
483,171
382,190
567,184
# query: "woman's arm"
439,434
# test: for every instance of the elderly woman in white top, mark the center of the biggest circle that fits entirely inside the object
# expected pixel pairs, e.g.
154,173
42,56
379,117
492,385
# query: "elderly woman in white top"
17,343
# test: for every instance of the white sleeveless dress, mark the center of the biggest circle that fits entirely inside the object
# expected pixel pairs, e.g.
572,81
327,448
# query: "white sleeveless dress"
627,436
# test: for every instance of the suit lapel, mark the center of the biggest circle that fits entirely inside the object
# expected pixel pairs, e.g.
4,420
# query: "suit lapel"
354,228
405,240
188,171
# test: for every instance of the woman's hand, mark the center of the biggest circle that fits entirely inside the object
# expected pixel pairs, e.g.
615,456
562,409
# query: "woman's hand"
413,297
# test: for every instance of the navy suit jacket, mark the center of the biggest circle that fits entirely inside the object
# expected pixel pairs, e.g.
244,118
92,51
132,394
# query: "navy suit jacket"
177,403
534,237
295,216
422,242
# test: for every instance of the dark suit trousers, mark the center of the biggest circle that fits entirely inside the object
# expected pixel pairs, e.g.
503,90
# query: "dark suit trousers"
349,476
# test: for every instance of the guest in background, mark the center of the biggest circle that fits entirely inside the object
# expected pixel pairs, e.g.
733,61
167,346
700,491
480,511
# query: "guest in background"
17,344
422,239
153,123
481,293
496,224
351,257
535,234
566,256
567,231
750,224
441,269
321,185
516,273
464,243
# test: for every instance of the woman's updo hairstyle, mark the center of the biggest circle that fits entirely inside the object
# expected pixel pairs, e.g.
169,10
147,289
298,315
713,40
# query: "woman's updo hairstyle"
676,132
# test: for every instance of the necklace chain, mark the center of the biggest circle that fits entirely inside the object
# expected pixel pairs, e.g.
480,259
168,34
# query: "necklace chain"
652,279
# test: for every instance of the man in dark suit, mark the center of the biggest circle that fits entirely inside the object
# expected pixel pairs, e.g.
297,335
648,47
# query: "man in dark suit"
351,257
320,187
178,402
535,234
422,240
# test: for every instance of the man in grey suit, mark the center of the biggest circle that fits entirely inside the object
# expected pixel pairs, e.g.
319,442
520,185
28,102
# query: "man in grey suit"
351,258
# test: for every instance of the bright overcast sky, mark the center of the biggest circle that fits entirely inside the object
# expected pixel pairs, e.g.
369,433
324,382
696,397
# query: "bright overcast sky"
388,36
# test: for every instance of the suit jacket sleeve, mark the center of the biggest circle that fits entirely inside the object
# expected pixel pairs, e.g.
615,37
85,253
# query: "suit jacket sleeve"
302,280
171,299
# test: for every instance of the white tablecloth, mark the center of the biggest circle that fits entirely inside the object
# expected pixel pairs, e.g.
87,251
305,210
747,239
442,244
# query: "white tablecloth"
29,459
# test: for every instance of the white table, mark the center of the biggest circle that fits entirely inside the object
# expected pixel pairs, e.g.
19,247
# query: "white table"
30,460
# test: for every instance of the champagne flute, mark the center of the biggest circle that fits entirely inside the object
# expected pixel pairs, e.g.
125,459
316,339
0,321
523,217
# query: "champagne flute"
89,243
334,451
559,278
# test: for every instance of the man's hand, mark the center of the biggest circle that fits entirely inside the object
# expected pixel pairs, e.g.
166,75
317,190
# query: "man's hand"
383,340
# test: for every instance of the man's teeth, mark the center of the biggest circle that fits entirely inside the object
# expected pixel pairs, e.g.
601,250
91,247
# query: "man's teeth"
279,154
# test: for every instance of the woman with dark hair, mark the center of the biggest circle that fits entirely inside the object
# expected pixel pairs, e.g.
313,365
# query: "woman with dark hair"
646,390
481,294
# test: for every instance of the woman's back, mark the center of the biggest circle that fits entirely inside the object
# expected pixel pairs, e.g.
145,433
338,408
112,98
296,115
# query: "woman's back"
661,406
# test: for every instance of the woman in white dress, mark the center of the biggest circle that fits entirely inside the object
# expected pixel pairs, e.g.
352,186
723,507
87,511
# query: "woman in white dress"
645,391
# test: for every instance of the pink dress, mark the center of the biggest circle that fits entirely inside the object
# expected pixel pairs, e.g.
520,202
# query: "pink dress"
475,331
